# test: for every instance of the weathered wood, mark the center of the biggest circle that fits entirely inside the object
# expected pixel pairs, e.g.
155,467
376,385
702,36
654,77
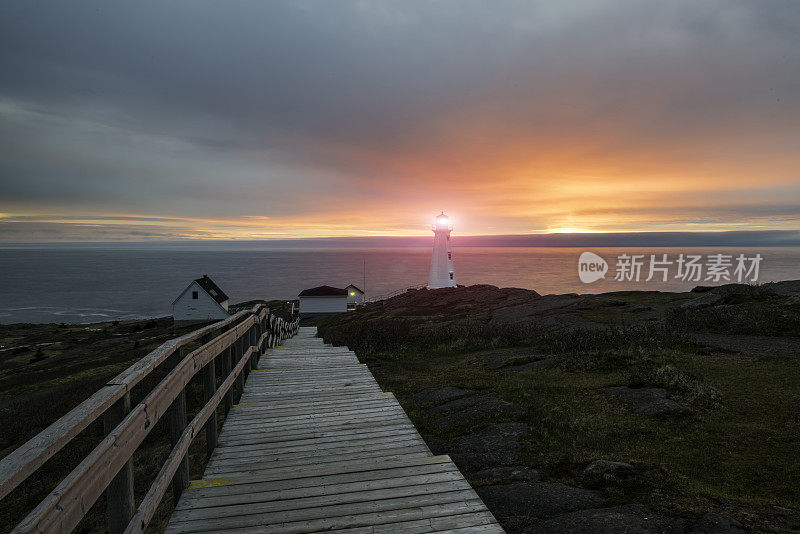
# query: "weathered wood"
365,476
64,507
254,344
390,507
227,358
209,388
237,356
314,446
23,461
177,424
120,503
165,477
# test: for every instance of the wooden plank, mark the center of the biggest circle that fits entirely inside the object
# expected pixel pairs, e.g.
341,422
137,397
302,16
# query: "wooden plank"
199,490
302,430
341,515
304,459
339,498
318,445
263,418
266,419
342,437
255,495
353,466
365,400
333,454
268,437
467,522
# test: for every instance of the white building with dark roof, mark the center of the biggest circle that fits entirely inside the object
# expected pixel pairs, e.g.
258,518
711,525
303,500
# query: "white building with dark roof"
355,297
202,301
322,300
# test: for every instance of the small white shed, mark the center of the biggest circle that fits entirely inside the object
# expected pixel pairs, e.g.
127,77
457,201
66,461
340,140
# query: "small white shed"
202,301
322,300
355,297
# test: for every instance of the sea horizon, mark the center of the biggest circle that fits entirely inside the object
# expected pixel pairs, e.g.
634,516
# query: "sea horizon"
732,238
101,283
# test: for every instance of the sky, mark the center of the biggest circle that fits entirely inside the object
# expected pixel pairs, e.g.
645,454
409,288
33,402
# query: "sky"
152,120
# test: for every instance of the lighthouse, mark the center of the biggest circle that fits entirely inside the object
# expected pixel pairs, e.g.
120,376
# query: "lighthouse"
442,273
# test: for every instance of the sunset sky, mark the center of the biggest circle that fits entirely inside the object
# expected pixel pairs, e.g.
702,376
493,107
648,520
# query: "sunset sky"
266,119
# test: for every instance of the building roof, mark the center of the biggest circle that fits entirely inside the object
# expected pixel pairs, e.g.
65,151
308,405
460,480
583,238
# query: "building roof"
323,291
212,289
355,287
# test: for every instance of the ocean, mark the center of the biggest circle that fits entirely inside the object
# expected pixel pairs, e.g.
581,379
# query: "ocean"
92,284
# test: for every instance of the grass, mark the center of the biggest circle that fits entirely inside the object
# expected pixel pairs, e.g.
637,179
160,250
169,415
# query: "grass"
733,451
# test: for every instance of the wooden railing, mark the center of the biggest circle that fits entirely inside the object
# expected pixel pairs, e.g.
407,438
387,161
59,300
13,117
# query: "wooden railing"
235,343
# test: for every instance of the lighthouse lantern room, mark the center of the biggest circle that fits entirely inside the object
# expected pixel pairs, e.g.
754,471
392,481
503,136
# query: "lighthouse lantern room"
442,273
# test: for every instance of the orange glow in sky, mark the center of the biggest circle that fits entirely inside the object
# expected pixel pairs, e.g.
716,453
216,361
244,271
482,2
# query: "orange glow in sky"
357,119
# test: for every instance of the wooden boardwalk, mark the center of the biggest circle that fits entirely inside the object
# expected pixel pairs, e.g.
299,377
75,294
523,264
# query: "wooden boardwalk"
315,445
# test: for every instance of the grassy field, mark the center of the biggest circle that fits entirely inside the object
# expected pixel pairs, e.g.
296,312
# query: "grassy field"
733,450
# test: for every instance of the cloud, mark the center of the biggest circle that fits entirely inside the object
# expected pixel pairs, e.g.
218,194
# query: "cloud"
331,116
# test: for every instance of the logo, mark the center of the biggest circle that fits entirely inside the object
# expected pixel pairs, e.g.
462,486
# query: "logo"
715,268
591,267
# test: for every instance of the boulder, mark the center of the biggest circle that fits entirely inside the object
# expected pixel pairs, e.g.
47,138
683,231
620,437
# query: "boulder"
497,359
439,395
540,500
646,401
538,364
620,519
606,469
709,298
465,409
785,288
493,445
517,473
712,523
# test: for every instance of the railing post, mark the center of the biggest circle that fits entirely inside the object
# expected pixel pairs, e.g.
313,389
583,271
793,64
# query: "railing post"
239,351
269,330
177,423
209,388
227,355
247,341
254,344
119,494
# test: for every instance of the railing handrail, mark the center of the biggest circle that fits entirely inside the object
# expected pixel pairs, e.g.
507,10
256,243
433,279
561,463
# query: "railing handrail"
65,506
18,466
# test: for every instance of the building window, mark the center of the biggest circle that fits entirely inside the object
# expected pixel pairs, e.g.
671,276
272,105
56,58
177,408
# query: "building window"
451,276
194,295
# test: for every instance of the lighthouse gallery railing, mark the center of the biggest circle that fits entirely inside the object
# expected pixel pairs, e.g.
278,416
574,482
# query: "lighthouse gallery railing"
234,343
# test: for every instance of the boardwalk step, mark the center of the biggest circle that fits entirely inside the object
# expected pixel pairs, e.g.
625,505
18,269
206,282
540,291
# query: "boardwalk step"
315,445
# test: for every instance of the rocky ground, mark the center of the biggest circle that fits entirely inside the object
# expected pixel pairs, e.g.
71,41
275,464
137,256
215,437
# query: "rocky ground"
625,412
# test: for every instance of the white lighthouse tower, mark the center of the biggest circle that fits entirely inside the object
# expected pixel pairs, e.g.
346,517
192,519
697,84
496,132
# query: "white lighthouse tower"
442,273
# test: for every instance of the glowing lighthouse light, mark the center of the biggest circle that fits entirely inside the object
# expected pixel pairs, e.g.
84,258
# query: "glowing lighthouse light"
442,273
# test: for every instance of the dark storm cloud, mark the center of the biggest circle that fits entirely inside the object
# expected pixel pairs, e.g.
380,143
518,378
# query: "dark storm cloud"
231,108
